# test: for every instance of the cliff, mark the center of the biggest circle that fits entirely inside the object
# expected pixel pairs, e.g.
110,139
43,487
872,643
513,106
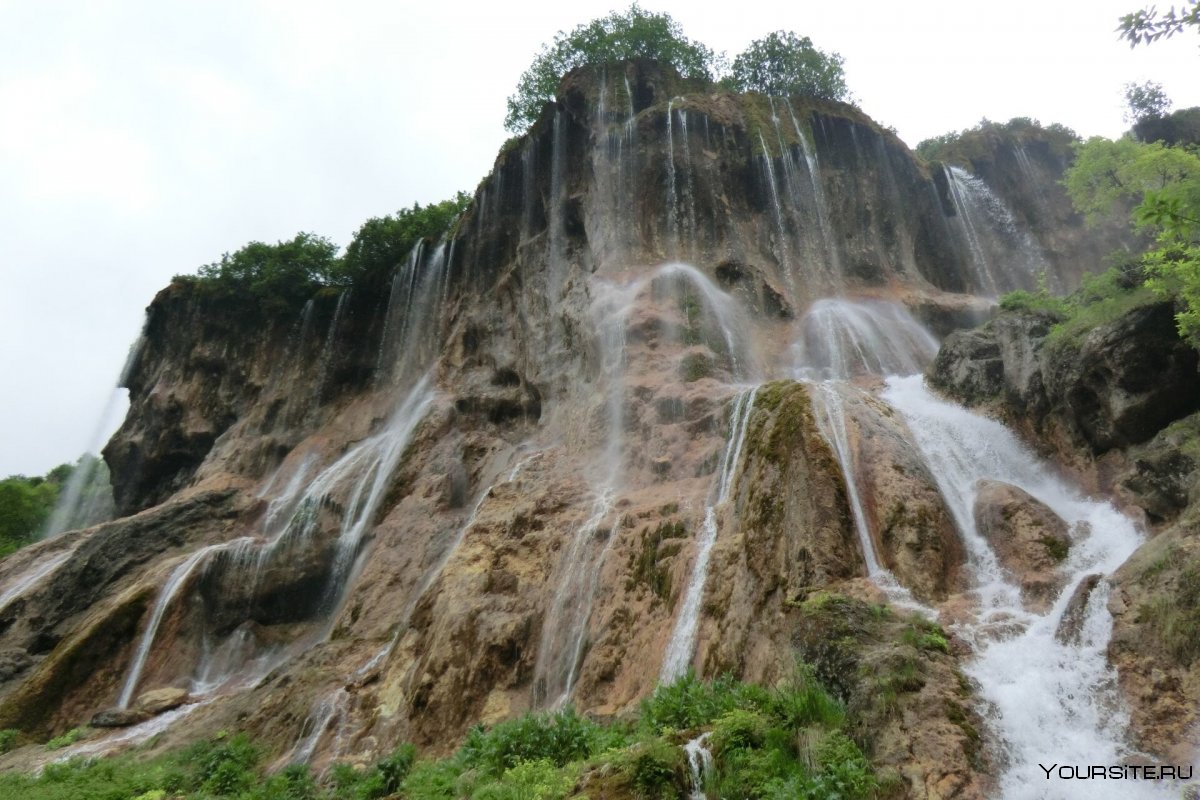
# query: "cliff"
534,467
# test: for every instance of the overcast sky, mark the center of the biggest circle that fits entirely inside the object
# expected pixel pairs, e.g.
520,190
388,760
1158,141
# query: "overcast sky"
139,140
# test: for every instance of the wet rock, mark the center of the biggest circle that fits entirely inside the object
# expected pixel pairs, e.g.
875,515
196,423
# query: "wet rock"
1128,378
119,718
1028,538
1163,475
1070,627
968,367
156,701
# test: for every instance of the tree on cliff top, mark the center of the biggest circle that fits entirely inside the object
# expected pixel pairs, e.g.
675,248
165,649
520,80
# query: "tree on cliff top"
617,37
783,63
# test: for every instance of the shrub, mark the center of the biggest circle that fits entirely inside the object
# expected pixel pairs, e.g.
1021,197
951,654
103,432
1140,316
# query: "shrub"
558,738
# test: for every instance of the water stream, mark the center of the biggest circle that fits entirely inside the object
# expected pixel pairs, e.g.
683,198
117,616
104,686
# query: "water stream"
1051,701
682,644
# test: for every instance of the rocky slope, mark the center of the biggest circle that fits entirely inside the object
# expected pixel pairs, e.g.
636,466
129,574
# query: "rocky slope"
1120,404
483,489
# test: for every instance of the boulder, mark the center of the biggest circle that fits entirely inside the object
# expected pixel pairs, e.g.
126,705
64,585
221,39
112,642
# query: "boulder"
119,718
1029,539
156,701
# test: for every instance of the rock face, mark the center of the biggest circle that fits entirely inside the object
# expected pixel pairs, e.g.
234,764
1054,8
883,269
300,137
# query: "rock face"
491,484
1115,387
1030,540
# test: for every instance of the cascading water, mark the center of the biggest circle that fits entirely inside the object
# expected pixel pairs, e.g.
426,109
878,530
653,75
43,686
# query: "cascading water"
175,581
700,763
843,338
682,645
1003,256
33,576
1054,701
564,627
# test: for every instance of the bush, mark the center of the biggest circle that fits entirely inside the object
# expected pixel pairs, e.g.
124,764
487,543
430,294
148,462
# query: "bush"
382,243
558,738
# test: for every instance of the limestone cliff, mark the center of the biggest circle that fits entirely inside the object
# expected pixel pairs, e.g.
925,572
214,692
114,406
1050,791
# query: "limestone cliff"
485,488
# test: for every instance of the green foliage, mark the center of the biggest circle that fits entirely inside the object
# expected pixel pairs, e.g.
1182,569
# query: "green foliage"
559,737
280,275
69,738
8,739
225,766
432,780
1107,173
1173,617
25,505
528,780
1164,183
1147,25
634,33
1145,101
783,63
382,243
980,141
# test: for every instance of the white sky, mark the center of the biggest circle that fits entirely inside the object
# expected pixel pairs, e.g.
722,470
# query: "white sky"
139,140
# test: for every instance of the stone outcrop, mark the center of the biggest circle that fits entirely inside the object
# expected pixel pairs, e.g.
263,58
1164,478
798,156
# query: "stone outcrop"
1114,386
1029,539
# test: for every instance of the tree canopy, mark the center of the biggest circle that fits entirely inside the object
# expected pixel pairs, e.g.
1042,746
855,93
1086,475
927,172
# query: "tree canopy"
383,242
634,33
1145,101
783,63
1163,184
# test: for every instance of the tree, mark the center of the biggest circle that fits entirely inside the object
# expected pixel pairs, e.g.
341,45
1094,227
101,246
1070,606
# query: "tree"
1164,184
783,63
1106,172
619,36
1145,101
283,274
1146,26
383,242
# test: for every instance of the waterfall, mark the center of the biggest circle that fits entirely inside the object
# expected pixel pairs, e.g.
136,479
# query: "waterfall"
1003,256
700,763
175,581
672,194
813,166
33,576
363,473
564,627
1039,687
843,338
785,262
683,638
327,349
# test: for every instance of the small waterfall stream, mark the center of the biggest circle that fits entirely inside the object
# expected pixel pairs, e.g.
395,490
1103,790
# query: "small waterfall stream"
682,645
700,763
